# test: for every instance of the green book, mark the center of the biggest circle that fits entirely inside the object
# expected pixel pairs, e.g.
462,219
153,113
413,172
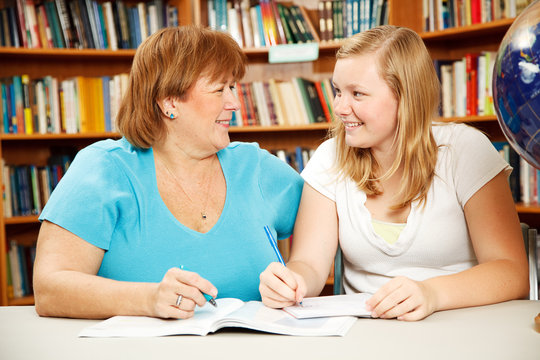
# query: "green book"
286,27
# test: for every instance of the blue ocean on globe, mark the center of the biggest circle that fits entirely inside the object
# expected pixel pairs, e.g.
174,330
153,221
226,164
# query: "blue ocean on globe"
516,84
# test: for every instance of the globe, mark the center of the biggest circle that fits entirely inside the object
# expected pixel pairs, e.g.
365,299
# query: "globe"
516,84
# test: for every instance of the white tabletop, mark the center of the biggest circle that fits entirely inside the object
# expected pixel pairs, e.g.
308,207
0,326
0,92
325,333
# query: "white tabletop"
501,331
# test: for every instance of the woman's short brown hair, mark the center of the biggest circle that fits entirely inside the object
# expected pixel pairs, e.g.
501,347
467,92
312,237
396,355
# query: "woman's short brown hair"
168,63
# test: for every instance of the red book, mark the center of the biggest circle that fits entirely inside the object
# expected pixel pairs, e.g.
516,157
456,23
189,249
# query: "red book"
476,12
253,119
471,68
322,99
269,25
276,19
243,108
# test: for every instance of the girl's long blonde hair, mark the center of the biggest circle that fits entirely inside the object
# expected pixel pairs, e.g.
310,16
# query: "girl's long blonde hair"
406,67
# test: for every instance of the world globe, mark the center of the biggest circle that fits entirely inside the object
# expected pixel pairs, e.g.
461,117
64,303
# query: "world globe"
516,84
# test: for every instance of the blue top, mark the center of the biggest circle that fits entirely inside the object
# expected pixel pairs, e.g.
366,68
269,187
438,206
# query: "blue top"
109,197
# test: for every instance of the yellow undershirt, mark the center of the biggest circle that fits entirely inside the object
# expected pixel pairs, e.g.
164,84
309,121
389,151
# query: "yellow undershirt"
388,231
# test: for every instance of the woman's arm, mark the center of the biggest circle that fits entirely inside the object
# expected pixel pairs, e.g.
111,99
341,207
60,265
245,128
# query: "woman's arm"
314,246
66,284
501,273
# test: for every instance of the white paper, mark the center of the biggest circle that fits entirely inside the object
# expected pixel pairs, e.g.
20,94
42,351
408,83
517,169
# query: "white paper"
336,305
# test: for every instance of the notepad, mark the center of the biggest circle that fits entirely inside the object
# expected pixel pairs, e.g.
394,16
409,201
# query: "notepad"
229,313
335,305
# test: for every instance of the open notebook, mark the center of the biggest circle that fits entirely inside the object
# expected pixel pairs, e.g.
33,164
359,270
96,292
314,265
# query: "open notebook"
229,313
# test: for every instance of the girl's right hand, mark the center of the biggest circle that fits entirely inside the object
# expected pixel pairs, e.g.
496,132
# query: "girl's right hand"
189,286
280,287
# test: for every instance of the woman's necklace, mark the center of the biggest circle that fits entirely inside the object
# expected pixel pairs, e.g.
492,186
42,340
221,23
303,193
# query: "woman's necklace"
177,181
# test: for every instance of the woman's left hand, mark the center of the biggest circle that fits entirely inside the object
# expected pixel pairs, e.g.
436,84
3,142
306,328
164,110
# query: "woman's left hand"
404,299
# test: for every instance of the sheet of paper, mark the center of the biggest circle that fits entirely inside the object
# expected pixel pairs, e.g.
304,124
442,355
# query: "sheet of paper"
335,305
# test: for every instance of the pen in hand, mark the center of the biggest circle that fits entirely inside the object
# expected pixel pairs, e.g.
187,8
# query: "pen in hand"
273,242
208,298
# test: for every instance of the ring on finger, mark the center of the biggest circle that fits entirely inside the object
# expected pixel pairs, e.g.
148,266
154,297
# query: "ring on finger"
179,300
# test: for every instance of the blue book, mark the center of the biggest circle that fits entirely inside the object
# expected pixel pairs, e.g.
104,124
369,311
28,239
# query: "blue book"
24,190
221,15
132,38
260,21
6,113
103,28
134,12
13,127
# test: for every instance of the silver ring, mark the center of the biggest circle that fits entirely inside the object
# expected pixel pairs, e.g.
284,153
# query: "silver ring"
179,300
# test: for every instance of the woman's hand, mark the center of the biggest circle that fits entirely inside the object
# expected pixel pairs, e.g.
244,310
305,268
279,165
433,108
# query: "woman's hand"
280,287
189,286
404,299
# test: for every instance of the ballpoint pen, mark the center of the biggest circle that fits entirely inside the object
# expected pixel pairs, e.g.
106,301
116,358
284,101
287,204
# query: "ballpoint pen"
208,298
273,242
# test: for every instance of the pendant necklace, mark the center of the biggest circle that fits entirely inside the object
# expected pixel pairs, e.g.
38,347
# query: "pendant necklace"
177,181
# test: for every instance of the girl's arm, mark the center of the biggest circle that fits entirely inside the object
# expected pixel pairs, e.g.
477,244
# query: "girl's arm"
313,248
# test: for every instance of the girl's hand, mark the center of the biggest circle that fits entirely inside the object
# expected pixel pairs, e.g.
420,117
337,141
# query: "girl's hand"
178,282
404,299
280,287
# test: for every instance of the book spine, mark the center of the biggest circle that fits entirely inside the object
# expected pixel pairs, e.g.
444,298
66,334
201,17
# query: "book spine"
72,35
28,121
25,34
44,27
31,22
322,99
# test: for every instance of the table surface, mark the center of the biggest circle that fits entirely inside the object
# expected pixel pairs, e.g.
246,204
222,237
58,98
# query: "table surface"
501,331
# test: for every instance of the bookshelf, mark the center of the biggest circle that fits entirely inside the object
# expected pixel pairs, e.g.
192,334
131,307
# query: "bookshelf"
64,63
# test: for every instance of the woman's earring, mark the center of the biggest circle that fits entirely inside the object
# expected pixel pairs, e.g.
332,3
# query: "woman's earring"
172,116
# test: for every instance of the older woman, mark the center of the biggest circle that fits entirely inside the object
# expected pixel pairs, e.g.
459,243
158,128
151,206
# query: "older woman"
151,223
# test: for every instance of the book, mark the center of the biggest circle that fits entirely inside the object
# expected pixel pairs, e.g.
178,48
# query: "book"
333,305
69,31
31,24
23,29
228,313
28,123
54,22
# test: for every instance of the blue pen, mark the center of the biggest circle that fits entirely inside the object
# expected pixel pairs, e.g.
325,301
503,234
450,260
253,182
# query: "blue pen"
273,242
208,298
